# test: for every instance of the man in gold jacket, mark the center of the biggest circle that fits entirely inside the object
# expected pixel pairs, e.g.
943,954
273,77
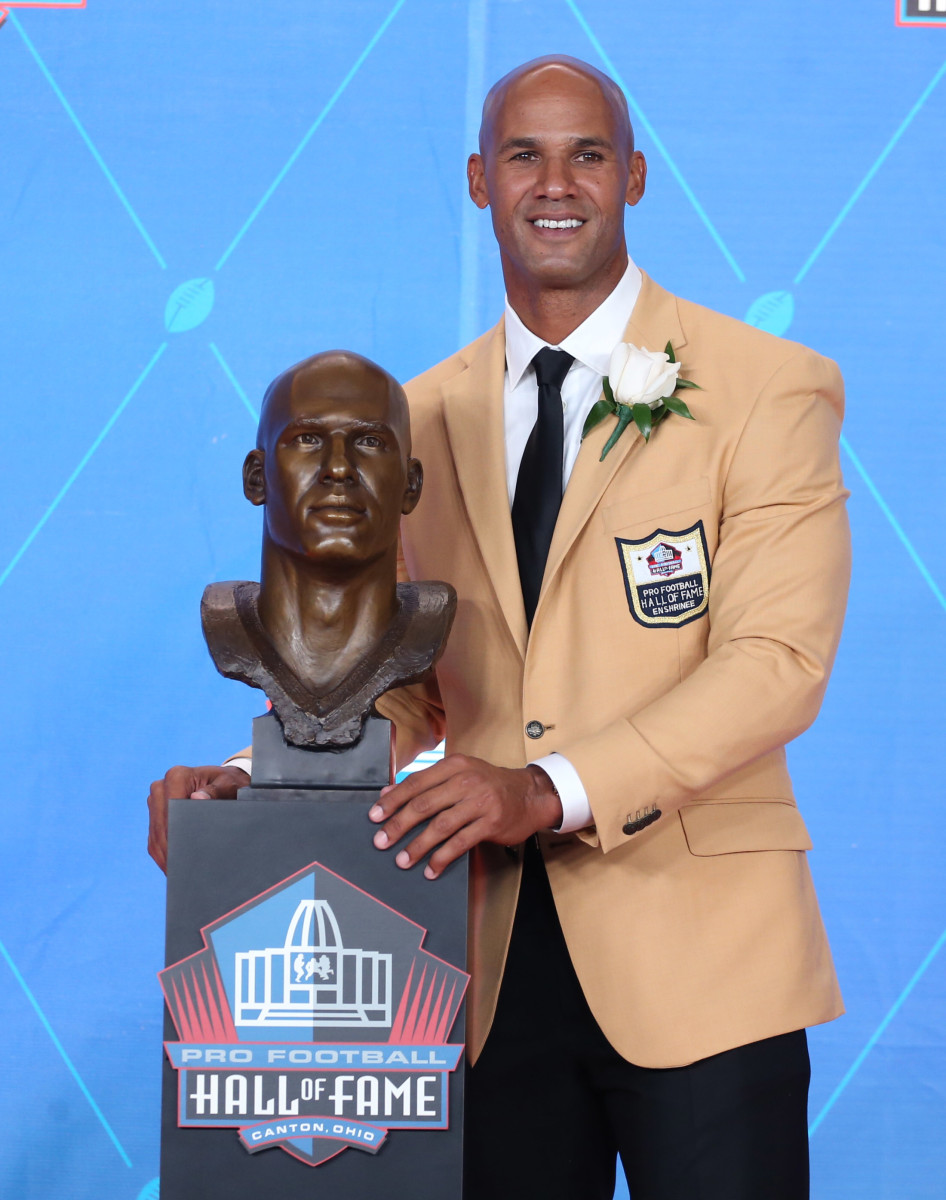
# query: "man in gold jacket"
646,946
699,932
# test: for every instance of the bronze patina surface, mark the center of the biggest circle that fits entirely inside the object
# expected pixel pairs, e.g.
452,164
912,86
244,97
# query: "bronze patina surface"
329,629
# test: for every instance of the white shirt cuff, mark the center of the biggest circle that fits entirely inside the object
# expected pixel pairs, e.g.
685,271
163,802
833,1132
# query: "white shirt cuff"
245,764
576,811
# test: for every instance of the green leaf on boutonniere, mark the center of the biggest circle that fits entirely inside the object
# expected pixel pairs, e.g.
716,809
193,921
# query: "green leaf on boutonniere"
624,419
606,384
676,405
668,350
688,383
643,419
602,409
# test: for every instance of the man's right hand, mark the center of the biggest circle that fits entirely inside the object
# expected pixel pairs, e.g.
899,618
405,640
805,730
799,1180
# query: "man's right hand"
194,783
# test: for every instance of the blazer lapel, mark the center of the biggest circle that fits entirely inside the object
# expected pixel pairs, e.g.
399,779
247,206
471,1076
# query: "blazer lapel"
653,323
473,415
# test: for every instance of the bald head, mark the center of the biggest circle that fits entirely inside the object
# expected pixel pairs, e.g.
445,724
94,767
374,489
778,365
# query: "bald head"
557,168
551,72
331,378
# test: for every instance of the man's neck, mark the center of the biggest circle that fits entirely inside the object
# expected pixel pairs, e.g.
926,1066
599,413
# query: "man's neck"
323,623
552,313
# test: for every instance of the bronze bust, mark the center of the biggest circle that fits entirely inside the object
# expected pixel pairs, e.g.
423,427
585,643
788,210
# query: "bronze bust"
328,629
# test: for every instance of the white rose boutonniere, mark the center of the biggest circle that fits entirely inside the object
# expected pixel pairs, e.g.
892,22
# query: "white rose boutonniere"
639,387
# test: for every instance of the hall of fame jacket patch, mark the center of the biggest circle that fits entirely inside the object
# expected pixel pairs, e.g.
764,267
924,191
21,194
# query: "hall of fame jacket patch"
666,576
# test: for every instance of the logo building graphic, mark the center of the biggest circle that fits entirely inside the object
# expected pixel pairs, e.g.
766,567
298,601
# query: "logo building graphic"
314,1021
312,980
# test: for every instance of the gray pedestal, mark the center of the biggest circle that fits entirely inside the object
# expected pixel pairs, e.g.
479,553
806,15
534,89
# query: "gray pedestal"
282,889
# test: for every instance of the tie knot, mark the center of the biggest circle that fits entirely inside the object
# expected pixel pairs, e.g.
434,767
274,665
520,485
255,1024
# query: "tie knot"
551,366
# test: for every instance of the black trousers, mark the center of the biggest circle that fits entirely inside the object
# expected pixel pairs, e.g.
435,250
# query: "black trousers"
550,1104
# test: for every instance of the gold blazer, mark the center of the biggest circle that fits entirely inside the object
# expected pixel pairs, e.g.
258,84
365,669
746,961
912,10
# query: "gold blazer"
702,931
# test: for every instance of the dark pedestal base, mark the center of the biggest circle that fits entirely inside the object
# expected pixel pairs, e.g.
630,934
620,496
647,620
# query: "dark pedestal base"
225,853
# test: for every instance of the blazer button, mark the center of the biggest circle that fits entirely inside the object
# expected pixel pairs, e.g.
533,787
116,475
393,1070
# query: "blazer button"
535,729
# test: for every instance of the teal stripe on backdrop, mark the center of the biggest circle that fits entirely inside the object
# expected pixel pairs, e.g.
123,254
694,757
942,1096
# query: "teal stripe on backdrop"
70,112
60,1050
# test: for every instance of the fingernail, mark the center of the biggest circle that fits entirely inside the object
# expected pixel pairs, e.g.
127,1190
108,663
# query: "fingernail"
403,859
376,813
381,840
386,789
429,873
200,795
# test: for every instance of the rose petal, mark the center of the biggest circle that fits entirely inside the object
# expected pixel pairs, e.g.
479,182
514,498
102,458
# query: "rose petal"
633,375
618,359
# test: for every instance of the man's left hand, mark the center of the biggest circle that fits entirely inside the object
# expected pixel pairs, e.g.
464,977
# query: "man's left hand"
466,801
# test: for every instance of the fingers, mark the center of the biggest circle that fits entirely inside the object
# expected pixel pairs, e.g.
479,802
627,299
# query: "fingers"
158,824
464,801
466,830
419,797
396,795
195,783
223,785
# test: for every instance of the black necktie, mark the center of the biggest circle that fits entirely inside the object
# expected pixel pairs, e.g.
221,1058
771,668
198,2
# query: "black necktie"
539,483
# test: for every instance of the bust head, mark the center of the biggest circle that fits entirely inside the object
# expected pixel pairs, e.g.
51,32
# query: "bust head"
329,629
332,463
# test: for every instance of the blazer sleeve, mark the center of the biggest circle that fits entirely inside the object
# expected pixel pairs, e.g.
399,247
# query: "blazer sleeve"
777,597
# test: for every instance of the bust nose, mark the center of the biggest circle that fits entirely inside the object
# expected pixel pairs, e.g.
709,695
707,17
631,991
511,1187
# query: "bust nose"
337,466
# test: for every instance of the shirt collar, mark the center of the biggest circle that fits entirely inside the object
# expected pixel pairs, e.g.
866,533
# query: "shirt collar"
591,343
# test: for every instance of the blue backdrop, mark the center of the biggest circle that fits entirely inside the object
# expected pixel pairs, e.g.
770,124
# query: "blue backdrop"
300,166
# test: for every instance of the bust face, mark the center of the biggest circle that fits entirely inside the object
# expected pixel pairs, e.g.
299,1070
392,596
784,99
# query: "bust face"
332,465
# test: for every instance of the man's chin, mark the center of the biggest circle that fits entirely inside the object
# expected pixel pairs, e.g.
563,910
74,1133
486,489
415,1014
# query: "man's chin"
559,271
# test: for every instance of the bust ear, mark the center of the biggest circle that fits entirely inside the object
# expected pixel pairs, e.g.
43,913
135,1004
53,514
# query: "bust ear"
415,485
254,484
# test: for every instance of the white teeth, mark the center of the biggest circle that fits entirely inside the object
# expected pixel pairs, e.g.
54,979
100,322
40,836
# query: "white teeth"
568,223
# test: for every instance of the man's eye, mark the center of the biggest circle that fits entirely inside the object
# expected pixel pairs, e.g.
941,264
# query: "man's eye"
371,440
306,439
590,156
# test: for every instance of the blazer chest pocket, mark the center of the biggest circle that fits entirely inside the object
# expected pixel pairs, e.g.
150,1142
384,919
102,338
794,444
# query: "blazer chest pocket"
637,510
735,826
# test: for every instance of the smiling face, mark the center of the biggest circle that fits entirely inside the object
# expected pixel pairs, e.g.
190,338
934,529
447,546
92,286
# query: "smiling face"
332,461
556,168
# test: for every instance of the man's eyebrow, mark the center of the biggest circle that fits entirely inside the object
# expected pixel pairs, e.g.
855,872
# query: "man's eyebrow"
574,143
519,143
587,143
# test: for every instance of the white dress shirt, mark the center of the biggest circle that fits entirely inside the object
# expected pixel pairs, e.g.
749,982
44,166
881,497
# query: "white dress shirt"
590,345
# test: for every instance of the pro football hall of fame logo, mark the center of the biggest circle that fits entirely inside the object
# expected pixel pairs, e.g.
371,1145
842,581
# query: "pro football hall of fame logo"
312,1020
666,576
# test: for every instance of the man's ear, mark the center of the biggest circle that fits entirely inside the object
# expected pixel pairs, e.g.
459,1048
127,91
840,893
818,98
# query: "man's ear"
415,485
254,484
637,178
476,179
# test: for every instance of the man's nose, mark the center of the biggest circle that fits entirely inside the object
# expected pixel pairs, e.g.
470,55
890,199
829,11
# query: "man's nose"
556,178
337,465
